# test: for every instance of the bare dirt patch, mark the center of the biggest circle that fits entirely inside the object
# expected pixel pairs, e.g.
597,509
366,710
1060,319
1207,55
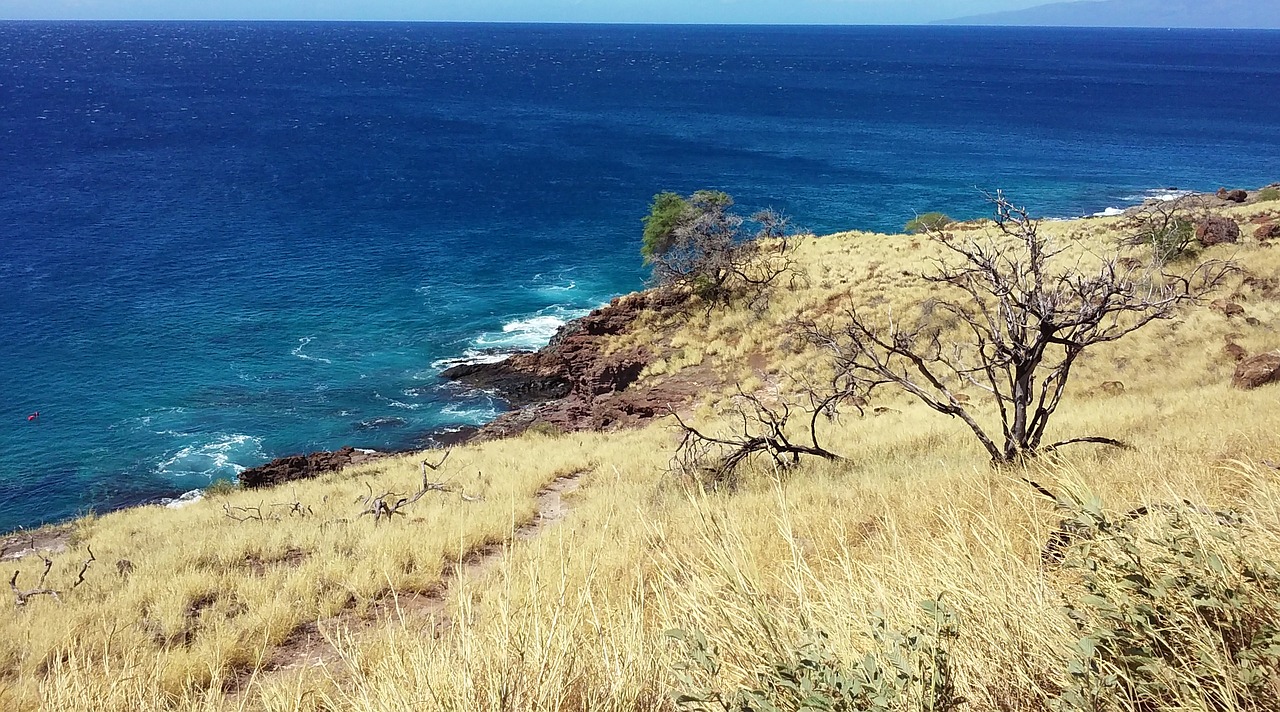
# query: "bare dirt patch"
49,540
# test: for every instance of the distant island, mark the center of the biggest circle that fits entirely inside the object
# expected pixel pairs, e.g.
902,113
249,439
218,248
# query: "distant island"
1225,14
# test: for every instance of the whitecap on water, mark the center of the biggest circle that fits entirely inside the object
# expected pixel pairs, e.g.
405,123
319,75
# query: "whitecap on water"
395,403
472,413
530,331
215,455
302,343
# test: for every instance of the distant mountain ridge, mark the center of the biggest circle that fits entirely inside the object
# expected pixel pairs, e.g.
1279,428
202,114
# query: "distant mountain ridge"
1227,14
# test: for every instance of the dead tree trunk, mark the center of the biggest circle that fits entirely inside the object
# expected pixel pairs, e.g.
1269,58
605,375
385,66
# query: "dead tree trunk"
1016,316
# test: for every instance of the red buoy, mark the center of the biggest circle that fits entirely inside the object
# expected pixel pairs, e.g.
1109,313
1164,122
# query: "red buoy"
33,416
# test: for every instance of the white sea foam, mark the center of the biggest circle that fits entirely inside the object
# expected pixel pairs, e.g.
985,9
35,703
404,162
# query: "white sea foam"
472,357
472,413
184,500
395,403
302,343
215,456
530,331
1159,194
1162,195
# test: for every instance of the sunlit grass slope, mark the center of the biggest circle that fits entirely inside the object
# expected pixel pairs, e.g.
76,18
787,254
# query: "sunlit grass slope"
575,618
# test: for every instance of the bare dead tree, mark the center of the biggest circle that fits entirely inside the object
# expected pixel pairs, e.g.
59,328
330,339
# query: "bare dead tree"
761,429
1167,227
1010,319
22,596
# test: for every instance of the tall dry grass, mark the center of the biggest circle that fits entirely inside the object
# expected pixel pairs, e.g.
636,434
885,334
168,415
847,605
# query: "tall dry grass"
576,619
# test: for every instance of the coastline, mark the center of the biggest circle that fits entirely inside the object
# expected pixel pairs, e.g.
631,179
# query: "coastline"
567,385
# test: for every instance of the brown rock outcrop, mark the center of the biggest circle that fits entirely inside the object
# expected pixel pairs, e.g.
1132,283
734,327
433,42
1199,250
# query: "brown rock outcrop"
1235,351
1217,230
301,467
571,384
1257,371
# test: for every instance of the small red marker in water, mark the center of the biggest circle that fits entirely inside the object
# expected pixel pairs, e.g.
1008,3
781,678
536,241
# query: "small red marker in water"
33,416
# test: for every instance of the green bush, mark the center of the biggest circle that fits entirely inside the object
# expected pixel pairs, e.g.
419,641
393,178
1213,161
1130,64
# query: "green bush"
220,488
1269,193
1173,613
665,214
929,222
910,670
545,429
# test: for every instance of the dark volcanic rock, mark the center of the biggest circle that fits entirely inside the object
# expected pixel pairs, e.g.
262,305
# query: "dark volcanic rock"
1216,230
520,380
301,467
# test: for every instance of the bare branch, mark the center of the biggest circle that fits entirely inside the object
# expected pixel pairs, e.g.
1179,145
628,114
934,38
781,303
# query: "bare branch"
84,567
21,596
1017,312
1099,440
762,430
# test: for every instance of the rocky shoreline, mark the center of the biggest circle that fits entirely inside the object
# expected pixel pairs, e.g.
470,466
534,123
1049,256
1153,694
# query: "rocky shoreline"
569,385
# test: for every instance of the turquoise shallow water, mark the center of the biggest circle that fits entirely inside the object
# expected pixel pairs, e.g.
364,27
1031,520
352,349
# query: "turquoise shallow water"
224,243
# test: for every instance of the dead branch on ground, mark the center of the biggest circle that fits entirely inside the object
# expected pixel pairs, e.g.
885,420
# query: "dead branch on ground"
21,596
244,514
84,568
388,504
761,429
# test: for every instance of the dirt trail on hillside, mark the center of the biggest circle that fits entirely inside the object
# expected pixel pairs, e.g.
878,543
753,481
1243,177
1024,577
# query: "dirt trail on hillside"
311,646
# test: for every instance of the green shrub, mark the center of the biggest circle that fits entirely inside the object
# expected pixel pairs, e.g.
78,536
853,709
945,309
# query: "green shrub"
545,429
910,670
929,222
1173,613
220,488
1269,193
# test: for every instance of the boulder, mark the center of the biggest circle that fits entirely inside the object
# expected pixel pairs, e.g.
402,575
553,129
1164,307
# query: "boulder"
572,384
1227,308
1257,371
1267,232
1235,196
1235,352
1217,230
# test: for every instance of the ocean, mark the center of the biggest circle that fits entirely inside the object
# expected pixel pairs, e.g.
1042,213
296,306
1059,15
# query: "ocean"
222,243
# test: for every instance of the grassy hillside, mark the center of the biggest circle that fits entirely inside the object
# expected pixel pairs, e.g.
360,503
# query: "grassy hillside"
466,602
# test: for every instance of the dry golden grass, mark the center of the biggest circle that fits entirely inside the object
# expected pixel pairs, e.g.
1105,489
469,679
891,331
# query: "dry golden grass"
575,618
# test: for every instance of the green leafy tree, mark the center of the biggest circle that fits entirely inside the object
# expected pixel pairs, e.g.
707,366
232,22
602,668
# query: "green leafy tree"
699,243
929,222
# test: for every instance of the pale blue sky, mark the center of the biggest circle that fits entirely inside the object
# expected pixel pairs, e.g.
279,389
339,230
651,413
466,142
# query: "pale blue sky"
673,11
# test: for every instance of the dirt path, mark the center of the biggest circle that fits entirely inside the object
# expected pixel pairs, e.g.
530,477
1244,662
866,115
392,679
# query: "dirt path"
309,646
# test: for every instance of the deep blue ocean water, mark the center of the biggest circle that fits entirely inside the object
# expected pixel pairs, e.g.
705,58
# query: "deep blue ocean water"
222,243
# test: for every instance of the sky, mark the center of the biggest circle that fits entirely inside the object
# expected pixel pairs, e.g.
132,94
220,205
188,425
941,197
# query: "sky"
657,11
